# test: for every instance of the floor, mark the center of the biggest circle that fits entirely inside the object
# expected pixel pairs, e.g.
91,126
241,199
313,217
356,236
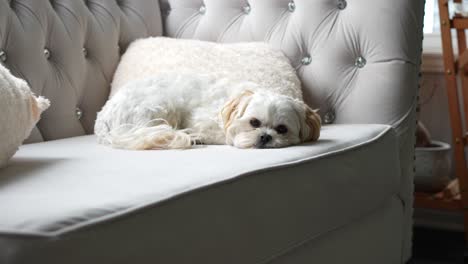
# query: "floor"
437,247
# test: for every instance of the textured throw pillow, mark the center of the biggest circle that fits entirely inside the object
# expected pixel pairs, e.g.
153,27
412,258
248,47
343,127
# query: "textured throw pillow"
251,61
19,112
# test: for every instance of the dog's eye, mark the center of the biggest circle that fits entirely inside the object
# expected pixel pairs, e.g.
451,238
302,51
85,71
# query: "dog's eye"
255,122
281,129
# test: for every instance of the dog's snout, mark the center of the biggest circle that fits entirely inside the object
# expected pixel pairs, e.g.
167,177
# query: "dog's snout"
265,138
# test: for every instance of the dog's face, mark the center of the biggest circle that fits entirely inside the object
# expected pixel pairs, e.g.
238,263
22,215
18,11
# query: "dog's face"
268,120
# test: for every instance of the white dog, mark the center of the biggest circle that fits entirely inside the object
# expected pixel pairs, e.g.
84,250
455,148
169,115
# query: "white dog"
175,111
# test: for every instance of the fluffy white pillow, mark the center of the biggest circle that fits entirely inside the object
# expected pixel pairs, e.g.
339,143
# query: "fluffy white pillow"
19,112
251,61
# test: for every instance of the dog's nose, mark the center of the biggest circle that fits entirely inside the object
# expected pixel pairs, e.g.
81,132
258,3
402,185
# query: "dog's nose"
265,138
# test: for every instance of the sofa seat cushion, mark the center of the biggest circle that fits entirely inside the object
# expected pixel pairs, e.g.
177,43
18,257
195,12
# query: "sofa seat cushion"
219,194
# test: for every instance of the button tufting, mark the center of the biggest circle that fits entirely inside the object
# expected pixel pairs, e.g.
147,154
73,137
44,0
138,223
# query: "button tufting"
85,52
342,4
247,9
78,113
46,53
202,9
306,60
3,56
291,6
329,117
360,62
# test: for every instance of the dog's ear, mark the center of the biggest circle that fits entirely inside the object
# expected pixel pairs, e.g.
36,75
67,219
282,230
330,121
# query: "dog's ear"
235,108
310,129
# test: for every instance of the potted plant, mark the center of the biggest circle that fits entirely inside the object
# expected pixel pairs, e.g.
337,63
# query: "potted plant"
433,163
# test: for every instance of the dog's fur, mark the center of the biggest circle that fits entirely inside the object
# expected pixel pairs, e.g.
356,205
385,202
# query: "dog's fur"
175,111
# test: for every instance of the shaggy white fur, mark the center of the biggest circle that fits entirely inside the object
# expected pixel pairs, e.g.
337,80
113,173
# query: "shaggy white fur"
255,62
174,111
20,110
172,93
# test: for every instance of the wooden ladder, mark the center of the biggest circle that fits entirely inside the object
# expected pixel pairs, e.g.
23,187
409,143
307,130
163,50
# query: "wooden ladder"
454,67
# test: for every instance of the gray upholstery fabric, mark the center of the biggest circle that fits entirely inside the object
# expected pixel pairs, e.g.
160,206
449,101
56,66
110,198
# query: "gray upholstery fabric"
373,238
82,39
362,241
68,194
383,90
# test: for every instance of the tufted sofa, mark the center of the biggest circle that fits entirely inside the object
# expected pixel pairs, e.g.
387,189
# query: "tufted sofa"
345,199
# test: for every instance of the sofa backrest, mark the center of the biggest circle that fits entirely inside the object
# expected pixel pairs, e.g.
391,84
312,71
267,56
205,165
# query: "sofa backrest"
357,59
67,50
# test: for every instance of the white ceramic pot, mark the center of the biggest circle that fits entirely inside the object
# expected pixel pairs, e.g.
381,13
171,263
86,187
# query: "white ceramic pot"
433,166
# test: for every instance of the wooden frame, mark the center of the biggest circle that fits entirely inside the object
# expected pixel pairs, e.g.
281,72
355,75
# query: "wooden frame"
453,68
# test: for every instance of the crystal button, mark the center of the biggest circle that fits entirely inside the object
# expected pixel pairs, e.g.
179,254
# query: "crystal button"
85,52
360,62
46,53
342,4
78,113
306,60
247,9
291,6
202,9
3,56
329,117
